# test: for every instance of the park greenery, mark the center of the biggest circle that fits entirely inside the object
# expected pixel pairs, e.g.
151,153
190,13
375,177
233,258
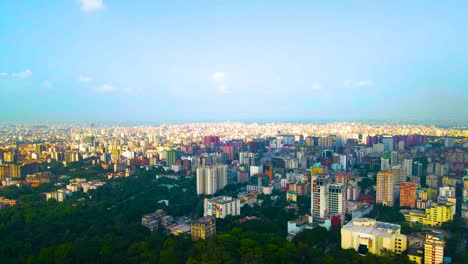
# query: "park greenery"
103,226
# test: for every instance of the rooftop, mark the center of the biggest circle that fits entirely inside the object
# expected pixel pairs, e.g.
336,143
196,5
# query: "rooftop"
372,227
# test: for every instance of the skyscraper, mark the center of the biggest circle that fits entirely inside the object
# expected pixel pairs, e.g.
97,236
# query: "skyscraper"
387,141
171,157
336,200
319,195
408,194
394,158
211,179
385,184
408,167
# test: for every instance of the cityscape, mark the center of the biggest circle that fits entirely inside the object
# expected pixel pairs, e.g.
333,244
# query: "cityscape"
233,132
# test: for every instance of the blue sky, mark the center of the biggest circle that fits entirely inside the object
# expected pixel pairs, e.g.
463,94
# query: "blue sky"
109,60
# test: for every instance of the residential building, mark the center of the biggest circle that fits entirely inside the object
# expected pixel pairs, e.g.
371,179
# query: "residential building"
221,206
211,179
336,200
434,215
385,184
319,195
408,194
204,228
434,249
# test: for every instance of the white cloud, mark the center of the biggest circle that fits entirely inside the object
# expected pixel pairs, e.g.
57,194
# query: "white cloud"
348,83
219,78
91,5
22,75
3,74
47,84
362,83
316,86
108,88
84,79
105,88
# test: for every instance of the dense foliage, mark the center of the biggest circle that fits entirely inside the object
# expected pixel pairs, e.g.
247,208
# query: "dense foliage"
104,227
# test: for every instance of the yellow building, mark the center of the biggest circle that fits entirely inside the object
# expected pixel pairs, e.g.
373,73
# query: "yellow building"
316,170
434,249
447,181
6,201
291,196
416,255
385,186
204,228
368,235
9,157
433,216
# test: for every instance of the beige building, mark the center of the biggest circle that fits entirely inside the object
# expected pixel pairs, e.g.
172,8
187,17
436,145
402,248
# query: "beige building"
385,186
368,235
204,228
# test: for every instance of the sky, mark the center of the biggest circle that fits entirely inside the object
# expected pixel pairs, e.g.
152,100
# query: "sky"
186,61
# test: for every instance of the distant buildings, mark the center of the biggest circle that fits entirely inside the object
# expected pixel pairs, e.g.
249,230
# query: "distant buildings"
370,236
17,171
203,228
221,206
385,186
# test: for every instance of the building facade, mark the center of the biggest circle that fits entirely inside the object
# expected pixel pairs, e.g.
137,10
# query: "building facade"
370,236
385,186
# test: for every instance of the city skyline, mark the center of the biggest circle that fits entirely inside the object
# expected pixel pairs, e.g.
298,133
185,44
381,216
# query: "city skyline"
109,61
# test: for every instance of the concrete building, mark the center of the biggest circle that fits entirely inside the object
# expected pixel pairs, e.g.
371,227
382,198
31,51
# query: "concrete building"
211,179
370,236
434,249
222,206
408,194
152,221
434,215
336,200
319,195
204,228
385,186
408,167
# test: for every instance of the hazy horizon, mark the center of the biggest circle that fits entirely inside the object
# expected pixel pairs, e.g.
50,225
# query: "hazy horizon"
111,61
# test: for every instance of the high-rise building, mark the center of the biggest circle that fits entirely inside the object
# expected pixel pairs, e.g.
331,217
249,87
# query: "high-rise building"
203,228
222,206
343,162
336,200
408,194
387,141
370,236
211,179
319,195
384,164
325,141
171,157
408,167
434,249
398,174
394,158
464,212
385,184
433,181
